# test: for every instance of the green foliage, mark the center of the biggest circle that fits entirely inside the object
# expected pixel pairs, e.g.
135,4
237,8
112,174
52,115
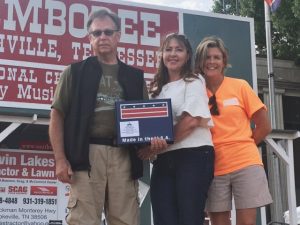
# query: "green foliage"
285,25
296,9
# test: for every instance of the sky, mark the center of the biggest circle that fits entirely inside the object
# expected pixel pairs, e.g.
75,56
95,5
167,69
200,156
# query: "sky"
199,5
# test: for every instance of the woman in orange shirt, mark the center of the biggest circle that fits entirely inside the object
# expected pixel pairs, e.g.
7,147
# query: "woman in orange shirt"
239,170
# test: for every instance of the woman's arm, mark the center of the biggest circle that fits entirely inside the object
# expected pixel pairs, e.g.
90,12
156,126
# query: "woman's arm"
185,126
262,125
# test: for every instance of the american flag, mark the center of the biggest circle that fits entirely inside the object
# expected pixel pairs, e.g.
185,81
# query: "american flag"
274,4
144,110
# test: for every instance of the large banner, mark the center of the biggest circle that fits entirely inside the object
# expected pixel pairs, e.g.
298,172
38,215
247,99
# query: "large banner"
30,193
29,190
39,38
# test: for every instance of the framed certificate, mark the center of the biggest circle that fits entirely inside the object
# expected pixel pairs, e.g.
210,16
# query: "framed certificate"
140,121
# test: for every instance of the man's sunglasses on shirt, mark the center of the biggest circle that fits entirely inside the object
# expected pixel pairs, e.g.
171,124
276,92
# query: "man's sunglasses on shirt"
214,106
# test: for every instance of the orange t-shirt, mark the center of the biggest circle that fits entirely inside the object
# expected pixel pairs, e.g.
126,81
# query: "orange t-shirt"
234,147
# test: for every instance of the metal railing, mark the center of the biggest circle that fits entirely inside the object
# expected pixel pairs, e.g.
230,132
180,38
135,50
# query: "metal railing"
280,142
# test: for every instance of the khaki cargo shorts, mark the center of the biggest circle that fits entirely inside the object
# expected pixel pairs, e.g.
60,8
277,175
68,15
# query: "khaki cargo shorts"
108,186
248,186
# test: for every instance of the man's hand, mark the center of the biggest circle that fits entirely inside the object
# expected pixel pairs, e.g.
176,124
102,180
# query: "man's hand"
63,171
56,134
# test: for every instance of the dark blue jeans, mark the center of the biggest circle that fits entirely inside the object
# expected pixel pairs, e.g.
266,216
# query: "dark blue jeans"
179,183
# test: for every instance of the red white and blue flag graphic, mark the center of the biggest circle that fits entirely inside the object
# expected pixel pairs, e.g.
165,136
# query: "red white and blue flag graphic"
274,4
144,110
142,120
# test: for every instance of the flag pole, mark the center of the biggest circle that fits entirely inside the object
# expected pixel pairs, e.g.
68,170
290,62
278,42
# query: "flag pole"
276,207
291,202
270,65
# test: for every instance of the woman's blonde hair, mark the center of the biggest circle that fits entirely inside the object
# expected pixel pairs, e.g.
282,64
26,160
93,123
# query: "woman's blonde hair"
202,49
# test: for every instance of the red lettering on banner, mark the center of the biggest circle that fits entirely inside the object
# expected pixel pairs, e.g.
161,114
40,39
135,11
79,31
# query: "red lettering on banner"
27,165
34,49
35,145
17,189
43,190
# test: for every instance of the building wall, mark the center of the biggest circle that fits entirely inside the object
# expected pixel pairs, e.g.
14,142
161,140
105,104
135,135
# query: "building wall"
287,116
286,76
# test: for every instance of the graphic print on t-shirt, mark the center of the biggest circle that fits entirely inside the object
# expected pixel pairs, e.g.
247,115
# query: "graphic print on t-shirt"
109,92
103,121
